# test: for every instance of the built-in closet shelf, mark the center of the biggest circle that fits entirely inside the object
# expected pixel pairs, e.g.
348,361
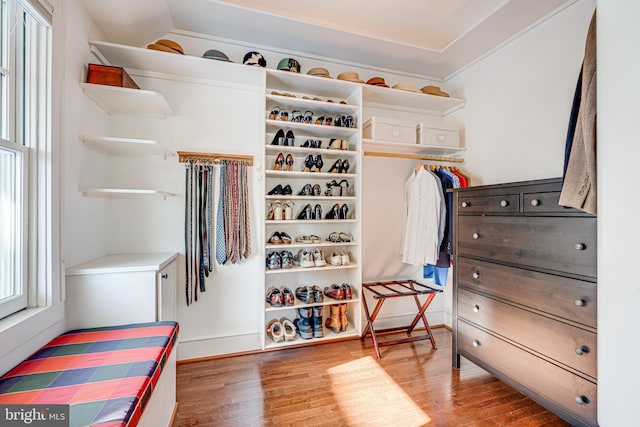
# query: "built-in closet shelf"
390,98
185,66
306,269
310,221
307,175
322,105
398,147
311,129
311,198
327,301
122,100
295,83
126,147
306,150
126,193
328,336
310,245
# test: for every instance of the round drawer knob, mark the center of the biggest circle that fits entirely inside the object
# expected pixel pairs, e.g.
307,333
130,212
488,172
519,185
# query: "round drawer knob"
580,302
476,308
475,275
465,204
476,343
582,400
504,203
165,276
580,246
475,236
582,350
535,202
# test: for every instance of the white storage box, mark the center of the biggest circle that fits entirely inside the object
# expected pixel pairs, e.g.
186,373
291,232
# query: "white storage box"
391,130
438,137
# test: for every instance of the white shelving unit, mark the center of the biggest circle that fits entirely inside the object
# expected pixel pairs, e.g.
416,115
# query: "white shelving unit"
126,193
126,147
398,147
390,98
122,100
329,98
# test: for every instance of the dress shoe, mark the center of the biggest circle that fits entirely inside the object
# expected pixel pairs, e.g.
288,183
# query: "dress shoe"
279,163
286,190
345,166
317,212
290,138
336,167
334,292
316,190
306,190
276,190
308,163
334,213
306,213
344,211
318,163
288,161
278,139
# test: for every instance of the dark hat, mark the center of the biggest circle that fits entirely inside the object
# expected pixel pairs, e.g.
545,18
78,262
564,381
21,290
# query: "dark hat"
216,54
289,64
254,58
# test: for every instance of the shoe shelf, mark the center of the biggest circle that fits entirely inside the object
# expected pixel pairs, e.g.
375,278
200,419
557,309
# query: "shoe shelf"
311,221
328,336
310,129
318,198
305,84
327,301
307,175
122,100
297,269
398,147
296,245
318,106
329,153
389,98
126,147
126,193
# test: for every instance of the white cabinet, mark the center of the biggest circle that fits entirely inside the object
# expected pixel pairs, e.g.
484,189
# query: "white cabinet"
315,98
121,289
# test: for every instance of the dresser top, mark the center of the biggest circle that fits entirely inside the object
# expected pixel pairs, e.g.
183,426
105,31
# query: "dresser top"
552,183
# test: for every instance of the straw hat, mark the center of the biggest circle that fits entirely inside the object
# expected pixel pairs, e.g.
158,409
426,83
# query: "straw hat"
350,76
434,90
166,45
319,72
405,86
377,81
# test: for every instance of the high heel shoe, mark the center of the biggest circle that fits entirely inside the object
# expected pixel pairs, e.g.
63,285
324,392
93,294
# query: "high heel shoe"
306,190
334,213
290,139
317,212
344,187
345,144
306,212
308,163
345,166
288,210
289,162
335,144
279,162
344,211
274,112
336,167
316,190
278,139
286,190
275,190
318,162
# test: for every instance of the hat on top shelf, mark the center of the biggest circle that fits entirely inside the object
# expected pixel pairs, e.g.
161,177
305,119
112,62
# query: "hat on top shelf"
405,86
216,54
319,72
254,58
377,81
166,45
433,90
289,64
350,76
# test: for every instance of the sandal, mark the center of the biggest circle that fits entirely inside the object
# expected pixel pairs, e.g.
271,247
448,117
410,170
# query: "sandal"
334,237
274,112
288,328
288,209
285,239
275,331
345,237
275,239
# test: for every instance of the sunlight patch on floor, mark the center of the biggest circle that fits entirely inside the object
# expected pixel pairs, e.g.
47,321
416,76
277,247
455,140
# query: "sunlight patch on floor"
368,396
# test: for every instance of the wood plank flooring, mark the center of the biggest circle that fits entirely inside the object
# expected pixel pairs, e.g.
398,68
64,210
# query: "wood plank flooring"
343,384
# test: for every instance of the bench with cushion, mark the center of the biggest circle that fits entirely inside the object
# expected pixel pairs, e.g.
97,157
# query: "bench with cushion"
109,376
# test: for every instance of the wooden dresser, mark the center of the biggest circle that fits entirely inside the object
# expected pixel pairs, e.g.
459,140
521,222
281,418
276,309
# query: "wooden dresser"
524,304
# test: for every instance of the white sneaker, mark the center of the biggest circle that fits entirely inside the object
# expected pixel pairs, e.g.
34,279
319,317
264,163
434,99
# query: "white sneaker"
304,258
345,258
318,258
335,258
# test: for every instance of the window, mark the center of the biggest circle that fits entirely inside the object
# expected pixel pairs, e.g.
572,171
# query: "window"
25,166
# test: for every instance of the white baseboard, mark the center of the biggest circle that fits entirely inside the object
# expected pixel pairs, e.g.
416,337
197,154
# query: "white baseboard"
202,347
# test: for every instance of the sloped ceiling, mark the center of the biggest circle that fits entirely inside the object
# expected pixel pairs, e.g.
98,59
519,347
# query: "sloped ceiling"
431,38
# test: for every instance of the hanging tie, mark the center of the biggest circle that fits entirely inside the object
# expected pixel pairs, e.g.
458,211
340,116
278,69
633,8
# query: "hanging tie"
221,249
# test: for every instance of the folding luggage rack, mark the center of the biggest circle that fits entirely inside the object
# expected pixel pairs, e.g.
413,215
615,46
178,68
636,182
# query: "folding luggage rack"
396,289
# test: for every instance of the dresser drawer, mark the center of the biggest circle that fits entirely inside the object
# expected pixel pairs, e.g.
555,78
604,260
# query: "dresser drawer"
569,345
561,389
507,203
544,202
563,244
567,298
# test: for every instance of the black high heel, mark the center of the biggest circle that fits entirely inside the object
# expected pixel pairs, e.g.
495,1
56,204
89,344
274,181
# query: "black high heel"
279,162
278,139
286,190
290,139
308,163
275,190
336,167
306,213
345,166
344,211
316,190
317,212
306,190
334,213
318,162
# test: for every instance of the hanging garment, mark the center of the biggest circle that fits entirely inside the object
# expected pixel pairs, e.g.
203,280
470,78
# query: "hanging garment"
221,249
233,231
579,186
423,200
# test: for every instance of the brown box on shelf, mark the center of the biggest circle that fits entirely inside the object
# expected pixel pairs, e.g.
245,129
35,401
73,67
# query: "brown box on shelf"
111,76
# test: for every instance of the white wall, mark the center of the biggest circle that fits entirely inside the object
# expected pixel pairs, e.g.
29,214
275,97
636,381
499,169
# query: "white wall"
618,228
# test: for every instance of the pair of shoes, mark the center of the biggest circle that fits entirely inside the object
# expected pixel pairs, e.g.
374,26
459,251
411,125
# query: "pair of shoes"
310,258
281,138
312,143
308,190
279,297
280,190
308,213
283,163
310,163
340,166
340,237
278,211
309,294
324,120
309,322
276,260
298,117
339,258
308,239
344,121
339,292
339,144
337,320
337,188
279,238
278,113
338,212
283,329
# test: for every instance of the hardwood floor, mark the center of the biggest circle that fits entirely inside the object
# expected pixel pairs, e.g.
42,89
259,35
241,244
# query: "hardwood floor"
343,384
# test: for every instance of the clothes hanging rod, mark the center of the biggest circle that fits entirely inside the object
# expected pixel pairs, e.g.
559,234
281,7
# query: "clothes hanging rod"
212,158
413,156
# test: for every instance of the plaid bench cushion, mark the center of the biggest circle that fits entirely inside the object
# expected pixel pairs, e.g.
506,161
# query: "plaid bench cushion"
106,375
